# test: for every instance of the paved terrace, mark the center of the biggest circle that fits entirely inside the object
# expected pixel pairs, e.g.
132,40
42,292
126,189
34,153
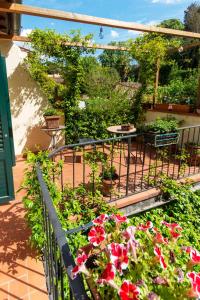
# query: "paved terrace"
21,274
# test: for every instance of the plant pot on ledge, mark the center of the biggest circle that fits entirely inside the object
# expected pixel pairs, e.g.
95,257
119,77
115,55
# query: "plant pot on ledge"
109,180
52,119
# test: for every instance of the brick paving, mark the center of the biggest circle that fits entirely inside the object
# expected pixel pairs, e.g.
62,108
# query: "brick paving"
21,274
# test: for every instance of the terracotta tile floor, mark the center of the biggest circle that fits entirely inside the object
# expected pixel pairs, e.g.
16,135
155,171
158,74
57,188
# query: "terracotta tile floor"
21,274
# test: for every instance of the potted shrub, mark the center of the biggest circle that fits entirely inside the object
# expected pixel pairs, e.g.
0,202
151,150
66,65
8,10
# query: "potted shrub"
52,118
193,150
161,132
109,177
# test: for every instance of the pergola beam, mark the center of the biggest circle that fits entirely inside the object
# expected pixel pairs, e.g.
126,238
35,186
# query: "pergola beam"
25,39
71,44
69,16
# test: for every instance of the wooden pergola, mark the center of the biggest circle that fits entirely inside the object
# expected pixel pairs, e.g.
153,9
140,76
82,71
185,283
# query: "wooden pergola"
15,8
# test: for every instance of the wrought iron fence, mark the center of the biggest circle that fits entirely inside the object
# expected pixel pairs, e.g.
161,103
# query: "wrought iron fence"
58,260
138,163
126,165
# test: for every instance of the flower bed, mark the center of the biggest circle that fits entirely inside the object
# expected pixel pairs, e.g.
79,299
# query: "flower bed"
138,262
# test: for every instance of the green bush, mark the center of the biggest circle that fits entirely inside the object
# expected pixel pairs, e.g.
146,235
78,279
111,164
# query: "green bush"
163,125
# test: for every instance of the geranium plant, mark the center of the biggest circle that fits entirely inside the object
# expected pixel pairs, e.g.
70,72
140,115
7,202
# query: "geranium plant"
138,262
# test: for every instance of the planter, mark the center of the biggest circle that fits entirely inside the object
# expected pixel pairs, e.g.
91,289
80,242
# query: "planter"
158,139
161,106
180,108
52,122
108,185
126,127
194,154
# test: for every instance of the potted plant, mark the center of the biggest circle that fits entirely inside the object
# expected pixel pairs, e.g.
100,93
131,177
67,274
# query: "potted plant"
193,150
52,118
161,132
109,178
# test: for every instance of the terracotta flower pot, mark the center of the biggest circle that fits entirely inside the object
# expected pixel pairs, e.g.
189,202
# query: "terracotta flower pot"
52,121
107,186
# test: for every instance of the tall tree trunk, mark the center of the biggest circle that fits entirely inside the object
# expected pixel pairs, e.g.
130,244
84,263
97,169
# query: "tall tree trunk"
155,96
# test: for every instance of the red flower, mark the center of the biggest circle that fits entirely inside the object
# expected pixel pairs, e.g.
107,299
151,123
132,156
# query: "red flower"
175,234
81,259
96,235
119,256
159,239
195,281
132,243
160,257
100,220
146,226
80,265
108,274
129,291
119,219
172,226
195,257
187,249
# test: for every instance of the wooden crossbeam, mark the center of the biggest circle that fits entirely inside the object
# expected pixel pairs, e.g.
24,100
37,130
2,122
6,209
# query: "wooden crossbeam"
88,45
95,46
69,16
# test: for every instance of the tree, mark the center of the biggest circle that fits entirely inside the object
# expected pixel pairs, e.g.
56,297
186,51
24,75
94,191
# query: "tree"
151,50
172,23
192,17
120,60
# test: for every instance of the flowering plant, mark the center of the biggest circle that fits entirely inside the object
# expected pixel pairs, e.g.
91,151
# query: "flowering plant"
138,262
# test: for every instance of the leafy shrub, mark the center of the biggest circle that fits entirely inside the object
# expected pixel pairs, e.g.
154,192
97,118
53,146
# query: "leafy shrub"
163,125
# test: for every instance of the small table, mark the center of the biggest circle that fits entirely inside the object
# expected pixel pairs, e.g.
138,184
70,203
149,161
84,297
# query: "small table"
116,129
52,132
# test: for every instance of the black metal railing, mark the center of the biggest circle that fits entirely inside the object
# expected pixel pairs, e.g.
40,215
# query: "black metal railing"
138,160
58,260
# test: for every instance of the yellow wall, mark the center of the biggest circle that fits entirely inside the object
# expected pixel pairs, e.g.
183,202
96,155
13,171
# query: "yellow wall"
27,102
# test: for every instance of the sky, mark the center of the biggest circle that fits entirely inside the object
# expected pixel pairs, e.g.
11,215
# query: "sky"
149,12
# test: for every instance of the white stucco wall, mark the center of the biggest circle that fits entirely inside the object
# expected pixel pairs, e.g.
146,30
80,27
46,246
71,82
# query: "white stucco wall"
26,100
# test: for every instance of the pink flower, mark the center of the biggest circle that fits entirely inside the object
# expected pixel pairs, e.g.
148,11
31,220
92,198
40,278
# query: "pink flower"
119,256
172,226
132,243
96,235
129,291
187,249
129,232
195,257
159,239
145,227
119,219
160,257
80,265
195,282
100,220
108,274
